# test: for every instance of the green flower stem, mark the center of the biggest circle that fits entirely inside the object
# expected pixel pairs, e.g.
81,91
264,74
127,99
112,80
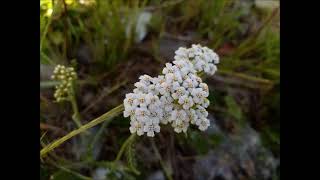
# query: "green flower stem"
76,115
105,124
123,147
63,168
48,84
51,84
45,32
164,167
107,116
97,136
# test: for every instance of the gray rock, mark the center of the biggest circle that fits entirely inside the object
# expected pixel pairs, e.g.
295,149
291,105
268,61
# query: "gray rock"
168,46
158,175
239,156
100,173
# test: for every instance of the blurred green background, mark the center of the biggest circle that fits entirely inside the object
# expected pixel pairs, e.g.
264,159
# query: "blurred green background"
112,42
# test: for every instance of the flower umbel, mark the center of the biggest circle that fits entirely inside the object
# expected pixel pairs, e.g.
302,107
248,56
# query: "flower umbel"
203,58
178,96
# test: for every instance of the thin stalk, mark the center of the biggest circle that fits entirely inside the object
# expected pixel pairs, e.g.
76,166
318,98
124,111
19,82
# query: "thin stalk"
104,93
249,43
51,84
48,84
66,163
244,80
76,115
163,5
42,136
45,31
253,79
72,172
97,136
110,164
104,125
46,58
123,147
121,151
165,169
107,116
63,168
65,29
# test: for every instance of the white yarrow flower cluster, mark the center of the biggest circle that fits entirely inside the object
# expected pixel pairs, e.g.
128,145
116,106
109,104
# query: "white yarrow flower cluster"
203,58
144,107
178,96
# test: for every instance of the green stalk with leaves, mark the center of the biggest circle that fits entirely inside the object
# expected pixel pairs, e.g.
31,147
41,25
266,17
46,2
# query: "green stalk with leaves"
105,117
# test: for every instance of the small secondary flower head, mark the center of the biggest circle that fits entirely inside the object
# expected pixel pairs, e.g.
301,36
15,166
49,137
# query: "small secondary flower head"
144,107
65,76
178,96
203,58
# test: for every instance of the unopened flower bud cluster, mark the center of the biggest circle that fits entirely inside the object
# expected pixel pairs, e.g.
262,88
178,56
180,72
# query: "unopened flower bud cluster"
65,76
178,96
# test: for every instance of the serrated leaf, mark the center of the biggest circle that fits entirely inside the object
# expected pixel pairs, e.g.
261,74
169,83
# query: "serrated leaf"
131,158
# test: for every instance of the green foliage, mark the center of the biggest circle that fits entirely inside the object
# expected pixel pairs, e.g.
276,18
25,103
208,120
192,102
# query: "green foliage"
234,109
203,144
269,49
270,133
121,122
107,28
131,156
114,33
115,171
199,143
116,175
260,52
157,23
272,136
44,172
217,20
215,140
260,57
62,175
